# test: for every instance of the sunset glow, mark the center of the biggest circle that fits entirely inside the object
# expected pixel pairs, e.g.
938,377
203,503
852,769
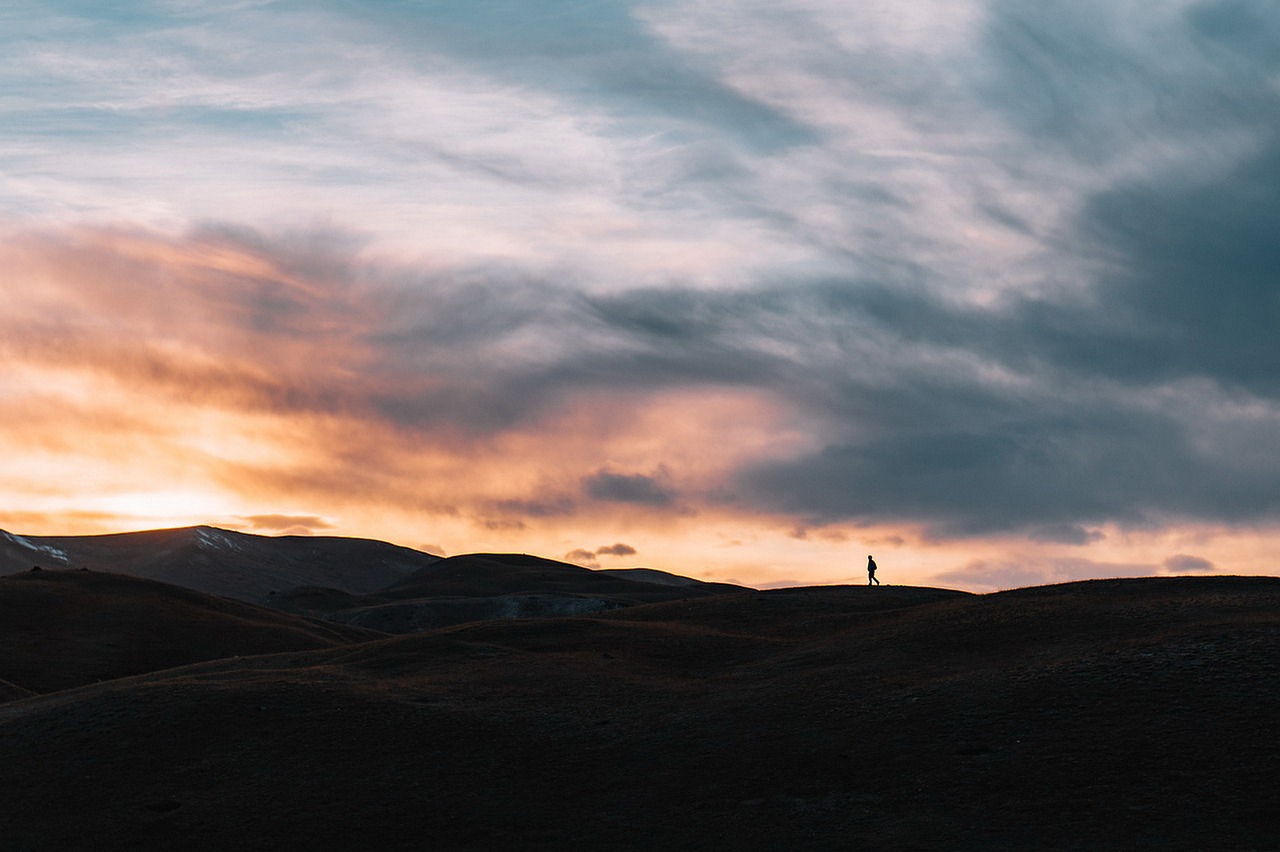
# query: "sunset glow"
683,277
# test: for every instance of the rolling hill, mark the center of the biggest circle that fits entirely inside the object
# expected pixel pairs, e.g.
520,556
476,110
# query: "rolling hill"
353,581
1123,714
61,629
495,586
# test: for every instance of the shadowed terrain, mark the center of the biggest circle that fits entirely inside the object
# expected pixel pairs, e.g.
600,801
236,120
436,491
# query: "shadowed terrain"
507,573
352,581
494,586
10,691
1107,714
222,562
61,629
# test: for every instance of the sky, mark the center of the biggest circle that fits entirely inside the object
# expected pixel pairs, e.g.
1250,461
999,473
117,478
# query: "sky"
738,289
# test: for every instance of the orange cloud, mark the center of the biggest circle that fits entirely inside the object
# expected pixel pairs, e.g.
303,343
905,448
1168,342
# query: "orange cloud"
152,380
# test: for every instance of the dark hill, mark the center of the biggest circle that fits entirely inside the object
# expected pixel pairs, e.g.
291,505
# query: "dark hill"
485,574
318,602
60,629
221,562
496,586
1108,715
804,611
11,691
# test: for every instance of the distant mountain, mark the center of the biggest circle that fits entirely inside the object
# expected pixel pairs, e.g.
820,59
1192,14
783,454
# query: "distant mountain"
222,562
496,586
60,629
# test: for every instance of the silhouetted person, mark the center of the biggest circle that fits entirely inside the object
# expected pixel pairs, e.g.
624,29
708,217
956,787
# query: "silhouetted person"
871,571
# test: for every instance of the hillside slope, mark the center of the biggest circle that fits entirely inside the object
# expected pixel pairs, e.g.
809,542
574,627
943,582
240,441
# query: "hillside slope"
60,629
494,586
478,574
1112,714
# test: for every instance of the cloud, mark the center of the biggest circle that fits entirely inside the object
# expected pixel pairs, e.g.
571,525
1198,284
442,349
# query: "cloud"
1097,77
1183,564
1194,276
1066,534
585,558
591,559
628,488
967,419
539,507
603,55
960,271
290,524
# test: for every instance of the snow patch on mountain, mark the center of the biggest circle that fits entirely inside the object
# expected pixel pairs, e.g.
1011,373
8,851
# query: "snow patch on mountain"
46,549
212,539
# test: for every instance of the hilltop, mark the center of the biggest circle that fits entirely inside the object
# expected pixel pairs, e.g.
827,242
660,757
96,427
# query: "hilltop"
488,586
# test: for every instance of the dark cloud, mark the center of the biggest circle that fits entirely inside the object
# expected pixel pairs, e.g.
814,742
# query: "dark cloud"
1076,76
591,559
498,525
1196,276
1065,534
582,557
1246,30
628,488
1183,564
544,507
1147,395
1046,472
